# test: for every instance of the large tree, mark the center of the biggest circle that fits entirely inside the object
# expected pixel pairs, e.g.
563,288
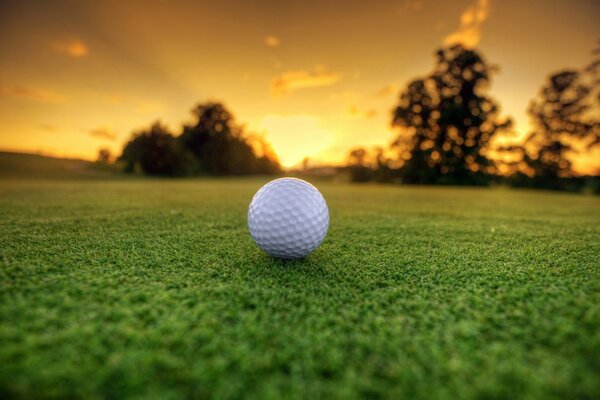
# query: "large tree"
447,122
155,151
221,146
566,119
357,165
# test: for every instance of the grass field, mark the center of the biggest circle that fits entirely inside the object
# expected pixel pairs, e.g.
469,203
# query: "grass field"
154,289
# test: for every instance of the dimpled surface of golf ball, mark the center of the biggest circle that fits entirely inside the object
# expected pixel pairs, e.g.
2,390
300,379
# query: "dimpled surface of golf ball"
288,218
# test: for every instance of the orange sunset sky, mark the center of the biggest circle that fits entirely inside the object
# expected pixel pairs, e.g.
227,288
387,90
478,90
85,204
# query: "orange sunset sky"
316,78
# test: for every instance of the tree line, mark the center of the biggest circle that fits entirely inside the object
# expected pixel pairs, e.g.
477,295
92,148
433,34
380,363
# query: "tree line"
448,124
448,129
214,144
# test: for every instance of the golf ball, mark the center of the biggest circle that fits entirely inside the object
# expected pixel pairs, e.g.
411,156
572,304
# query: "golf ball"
288,218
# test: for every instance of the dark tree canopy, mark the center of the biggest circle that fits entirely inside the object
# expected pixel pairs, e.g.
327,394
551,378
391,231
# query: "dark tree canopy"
565,118
220,145
359,169
214,144
366,165
447,122
565,112
104,156
155,151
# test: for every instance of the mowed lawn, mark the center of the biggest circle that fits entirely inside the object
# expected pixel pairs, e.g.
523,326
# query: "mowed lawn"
154,289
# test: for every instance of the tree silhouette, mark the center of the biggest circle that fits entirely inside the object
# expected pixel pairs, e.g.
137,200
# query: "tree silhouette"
447,122
358,166
565,112
220,145
104,156
265,161
214,144
156,152
383,171
369,165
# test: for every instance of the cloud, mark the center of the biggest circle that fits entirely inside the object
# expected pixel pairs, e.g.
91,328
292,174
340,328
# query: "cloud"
469,32
115,99
291,81
149,107
49,127
410,5
106,133
347,96
356,111
272,41
75,48
387,90
371,113
31,93
439,26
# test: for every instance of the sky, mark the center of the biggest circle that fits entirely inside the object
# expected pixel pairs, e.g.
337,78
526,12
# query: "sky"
315,78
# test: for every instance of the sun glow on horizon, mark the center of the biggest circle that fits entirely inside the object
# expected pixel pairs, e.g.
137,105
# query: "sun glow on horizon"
68,88
295,137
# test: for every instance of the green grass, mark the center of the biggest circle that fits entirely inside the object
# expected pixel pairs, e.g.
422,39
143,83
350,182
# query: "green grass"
154,289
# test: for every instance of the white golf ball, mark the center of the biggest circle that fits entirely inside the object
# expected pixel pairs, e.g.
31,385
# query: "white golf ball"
288,218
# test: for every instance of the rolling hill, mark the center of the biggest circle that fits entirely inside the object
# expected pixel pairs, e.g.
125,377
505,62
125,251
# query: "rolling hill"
24,165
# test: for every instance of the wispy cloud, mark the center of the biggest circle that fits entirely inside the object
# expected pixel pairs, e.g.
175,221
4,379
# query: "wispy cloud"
356,111
149,106
75,48
371,113
291,81
469,32
49,128
103,132
272,41
114,99
347,96
387,90
410,5
31,93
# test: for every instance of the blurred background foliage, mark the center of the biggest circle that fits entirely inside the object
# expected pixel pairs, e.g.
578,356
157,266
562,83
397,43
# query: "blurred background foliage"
214,144
449,131
447,124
